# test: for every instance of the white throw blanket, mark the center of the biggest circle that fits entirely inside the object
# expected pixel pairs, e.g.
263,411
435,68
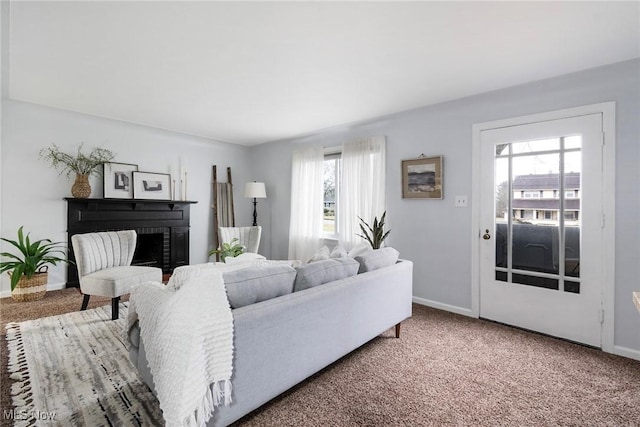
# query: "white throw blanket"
187,331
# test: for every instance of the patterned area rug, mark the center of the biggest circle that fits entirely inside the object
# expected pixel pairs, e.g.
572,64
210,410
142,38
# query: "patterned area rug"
74,369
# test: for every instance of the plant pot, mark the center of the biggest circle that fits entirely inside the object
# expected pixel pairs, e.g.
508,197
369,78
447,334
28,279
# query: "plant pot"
81,188
31,289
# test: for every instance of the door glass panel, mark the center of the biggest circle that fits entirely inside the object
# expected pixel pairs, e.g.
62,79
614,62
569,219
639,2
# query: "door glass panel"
572,213
502,211
572,142
535,146
502,149
535,242
573,287
539,282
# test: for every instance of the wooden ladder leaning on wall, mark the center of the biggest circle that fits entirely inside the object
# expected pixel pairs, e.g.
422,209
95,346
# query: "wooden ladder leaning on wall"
223,213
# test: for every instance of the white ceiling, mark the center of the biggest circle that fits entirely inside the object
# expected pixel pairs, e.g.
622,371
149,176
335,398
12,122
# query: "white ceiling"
252,72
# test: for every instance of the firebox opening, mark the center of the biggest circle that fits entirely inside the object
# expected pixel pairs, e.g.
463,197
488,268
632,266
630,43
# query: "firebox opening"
149,250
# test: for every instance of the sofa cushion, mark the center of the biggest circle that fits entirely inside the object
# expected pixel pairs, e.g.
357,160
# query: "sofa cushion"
376,259
254,284
116,281
321,272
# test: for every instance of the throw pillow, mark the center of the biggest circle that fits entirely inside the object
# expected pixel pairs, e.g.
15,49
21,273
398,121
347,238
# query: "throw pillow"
325,271
338,252
254,284
376,259
323,253
360,249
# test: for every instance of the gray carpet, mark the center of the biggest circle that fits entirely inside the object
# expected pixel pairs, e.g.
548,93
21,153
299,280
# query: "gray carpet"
451,370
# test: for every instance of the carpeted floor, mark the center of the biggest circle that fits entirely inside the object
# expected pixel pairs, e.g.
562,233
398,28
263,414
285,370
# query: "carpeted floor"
446,369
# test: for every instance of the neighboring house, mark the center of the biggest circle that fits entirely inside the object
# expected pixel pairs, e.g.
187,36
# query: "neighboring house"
536,198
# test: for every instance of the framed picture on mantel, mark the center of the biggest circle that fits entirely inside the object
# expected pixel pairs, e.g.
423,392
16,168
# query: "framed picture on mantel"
151,186
118,180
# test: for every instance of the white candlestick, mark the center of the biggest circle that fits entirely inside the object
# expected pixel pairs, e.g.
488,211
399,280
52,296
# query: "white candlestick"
185,186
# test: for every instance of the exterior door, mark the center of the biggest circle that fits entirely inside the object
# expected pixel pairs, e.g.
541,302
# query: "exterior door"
541,220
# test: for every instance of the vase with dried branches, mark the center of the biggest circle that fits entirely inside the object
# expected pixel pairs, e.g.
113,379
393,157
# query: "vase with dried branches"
80,164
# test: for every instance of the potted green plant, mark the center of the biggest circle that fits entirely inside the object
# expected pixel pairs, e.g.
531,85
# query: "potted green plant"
231,249
81,165
375,234
28,270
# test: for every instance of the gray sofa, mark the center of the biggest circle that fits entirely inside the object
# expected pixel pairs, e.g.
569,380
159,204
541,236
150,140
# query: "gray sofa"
281,341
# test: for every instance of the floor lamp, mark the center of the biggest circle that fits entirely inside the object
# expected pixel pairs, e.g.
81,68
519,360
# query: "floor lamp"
256,191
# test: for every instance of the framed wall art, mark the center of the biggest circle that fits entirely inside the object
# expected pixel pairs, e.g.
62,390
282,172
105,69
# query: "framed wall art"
118,180
151,186
422,178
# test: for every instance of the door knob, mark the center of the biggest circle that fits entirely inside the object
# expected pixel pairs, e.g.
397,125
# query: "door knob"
486,235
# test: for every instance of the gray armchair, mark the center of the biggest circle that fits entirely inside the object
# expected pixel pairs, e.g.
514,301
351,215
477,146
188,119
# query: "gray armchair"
249,237
104,266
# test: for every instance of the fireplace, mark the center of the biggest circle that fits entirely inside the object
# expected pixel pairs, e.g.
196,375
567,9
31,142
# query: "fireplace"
162,229
151,246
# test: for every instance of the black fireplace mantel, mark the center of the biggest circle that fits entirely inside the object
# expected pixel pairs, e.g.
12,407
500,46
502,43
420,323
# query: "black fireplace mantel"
168,218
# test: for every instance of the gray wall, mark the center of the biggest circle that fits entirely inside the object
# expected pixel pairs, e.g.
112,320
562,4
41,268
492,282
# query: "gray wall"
435,235
32,192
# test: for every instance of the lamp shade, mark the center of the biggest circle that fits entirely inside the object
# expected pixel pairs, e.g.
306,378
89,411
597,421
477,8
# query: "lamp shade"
255,190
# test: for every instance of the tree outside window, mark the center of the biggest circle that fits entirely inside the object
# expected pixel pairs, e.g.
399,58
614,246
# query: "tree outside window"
331,184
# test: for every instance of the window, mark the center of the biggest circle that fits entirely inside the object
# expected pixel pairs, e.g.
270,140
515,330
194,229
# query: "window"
331,178
532,194
571,215
570,194
353,178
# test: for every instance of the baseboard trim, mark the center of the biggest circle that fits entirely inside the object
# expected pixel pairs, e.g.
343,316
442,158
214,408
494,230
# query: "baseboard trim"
50,287
626,352
446,307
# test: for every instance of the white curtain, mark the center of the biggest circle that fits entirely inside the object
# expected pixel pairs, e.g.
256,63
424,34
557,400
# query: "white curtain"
362,189
305,229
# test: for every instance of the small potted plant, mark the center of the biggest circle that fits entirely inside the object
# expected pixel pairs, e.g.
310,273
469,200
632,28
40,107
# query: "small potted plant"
231,249
28,270
375,234
81,164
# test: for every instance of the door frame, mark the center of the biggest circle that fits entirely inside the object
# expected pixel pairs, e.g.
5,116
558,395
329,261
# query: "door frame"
607,110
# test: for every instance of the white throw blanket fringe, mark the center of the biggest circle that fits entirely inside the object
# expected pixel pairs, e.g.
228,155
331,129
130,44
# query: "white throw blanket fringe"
187,331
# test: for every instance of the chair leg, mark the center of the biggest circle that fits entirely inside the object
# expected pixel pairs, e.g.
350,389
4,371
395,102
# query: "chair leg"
85,302
115,307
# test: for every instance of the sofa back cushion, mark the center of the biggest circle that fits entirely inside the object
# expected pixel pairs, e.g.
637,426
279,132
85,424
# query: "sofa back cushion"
254,284
376,259
325,271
